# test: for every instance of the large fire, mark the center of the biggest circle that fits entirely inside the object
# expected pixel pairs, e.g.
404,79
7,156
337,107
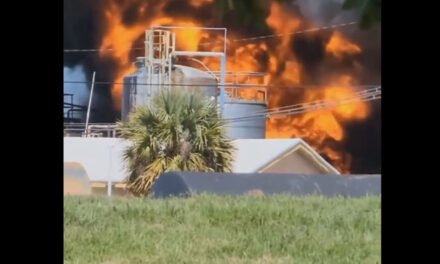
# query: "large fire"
338,46
285,73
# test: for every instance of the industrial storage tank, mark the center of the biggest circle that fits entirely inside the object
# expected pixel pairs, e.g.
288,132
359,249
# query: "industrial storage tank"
245,119
242,106
194,80
132,92
137,92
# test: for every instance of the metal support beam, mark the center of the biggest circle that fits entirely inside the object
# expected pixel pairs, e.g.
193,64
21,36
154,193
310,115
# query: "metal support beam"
222,83
109,179
90,103
198,53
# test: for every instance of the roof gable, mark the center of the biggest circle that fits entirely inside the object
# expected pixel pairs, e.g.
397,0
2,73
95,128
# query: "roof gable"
253,155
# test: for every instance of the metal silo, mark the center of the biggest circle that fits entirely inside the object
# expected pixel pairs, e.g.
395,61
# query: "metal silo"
194,80
245,119
129,86
137,90
241,99
245,107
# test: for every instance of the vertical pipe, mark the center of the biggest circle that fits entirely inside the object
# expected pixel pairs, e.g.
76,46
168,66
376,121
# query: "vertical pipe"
224,44
222,83
222,74
90,103
149,41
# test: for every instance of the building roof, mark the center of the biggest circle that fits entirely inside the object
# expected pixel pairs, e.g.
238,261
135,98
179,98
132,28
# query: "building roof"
253,155
189,183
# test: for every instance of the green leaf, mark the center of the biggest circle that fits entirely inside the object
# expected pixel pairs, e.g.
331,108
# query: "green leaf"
178,131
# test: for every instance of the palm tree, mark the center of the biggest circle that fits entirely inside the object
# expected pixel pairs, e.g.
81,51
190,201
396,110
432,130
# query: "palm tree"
178,131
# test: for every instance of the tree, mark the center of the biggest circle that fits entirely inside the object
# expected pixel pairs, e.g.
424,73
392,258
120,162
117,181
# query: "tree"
178,131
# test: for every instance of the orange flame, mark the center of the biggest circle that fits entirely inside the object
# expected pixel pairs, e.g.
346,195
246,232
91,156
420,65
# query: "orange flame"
339,46
282,23
120,38
322,129
199,3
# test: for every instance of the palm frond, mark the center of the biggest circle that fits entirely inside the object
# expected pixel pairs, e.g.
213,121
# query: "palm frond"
178,131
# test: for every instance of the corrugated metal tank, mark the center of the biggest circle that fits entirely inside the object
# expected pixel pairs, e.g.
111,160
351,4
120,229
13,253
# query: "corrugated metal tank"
135,92
249,128
199,81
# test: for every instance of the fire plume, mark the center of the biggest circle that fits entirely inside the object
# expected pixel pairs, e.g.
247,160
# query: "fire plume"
339,46
285,72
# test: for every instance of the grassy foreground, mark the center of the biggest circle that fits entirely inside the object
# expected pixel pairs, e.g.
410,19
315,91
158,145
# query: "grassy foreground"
210,229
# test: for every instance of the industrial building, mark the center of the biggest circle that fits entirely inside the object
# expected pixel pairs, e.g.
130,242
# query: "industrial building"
93,153
101,160
158,70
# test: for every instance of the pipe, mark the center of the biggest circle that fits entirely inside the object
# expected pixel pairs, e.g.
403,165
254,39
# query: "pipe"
222,82
108,128
90,103
206,67
73,110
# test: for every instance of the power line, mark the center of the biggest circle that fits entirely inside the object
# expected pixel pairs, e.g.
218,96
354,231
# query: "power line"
375,91
97,50
236,40
297,112
318,105
296,32
232,85
361,96
358,94
174,84
301,112
306,107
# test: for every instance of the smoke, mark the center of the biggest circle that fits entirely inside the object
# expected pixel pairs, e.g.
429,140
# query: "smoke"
363,140
84,27
326,12
329,12
85,24
79,90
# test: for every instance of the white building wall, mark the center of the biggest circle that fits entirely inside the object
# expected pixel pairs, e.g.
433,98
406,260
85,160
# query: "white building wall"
100,157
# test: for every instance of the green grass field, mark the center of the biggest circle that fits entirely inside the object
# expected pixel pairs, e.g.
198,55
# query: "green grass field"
209,229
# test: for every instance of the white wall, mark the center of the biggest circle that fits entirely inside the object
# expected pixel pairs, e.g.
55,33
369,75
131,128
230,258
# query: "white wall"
100,157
